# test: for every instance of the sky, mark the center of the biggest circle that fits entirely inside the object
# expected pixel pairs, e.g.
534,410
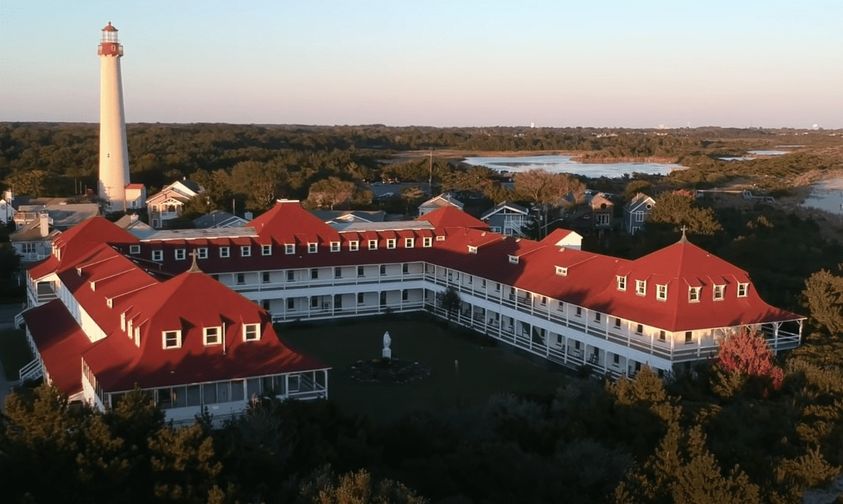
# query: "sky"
440,63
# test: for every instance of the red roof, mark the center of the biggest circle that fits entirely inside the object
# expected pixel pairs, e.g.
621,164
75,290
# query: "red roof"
449,216
287,219
60,342
109,27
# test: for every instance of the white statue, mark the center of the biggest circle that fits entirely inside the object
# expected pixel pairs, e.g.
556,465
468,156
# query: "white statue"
387,352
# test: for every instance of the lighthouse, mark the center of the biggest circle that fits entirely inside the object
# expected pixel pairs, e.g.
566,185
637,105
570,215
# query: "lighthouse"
114,154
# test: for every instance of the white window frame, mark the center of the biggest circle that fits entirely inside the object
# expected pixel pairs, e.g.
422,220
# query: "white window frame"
640,287
513,259
202,253
312,248
335,246
373,244
225,252
440,237
472,249
427,242
743,289
353,245
694,294
209,333
253,329
180,254
245,251
561,271
134,249
718,292
409,242
158,255
661,292
266,250
621,280
289,248
165,334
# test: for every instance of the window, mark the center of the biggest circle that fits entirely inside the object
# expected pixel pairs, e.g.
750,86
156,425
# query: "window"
171,339
383,269
440,237
662,335
719,292
293,383
617,323
689,337
409,242
513,259
596,317
561,271
390,243
291,304
335,246
157,255
354,246
241,278
134,249
337,272
405,295
472,249
265,304
694,294
245,251
359,298
616,359
743,289
202,253
291,275
225,252
639,216
289,248
427,242
373,244
314,274
265,277
212,335
641,287
266,250
405,268
621,283
181,254
661,292
360,271
250,332
579,311
639,329
312,248
314,301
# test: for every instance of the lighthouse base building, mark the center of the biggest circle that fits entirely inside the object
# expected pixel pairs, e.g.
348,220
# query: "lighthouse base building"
134,312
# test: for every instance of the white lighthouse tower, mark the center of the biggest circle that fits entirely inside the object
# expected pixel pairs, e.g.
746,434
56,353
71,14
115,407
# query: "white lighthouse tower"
114,154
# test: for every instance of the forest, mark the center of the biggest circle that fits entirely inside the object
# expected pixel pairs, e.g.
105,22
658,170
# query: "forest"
745,427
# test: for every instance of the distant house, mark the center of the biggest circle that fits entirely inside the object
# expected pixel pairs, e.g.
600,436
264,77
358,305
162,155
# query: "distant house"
219,219
437,202
38,224
347,216
635,212
7,210
34,240
168,203
602,209
134,225
135,196
507,218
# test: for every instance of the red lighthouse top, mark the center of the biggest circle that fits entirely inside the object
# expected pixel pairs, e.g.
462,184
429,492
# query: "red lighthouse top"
109,45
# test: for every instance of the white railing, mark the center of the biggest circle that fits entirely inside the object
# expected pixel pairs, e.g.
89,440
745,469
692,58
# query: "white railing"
32,371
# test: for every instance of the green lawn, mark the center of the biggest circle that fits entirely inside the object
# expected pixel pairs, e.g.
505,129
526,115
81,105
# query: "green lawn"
14,353
483,370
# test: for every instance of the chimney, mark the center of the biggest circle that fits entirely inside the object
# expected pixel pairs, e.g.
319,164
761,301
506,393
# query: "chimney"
133,217
44,223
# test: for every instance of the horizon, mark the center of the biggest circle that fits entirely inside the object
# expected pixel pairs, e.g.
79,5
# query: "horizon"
645,66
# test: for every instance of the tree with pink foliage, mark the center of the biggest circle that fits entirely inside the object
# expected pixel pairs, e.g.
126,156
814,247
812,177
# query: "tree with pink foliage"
745,354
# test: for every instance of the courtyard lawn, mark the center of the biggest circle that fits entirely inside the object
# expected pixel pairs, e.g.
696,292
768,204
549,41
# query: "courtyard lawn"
483,370
14,353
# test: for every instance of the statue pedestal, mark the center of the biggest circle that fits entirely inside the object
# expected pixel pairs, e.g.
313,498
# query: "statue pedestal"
387,353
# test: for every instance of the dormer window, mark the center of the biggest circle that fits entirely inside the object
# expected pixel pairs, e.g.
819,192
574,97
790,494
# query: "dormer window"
641,287
694,294
513,259
134,249
409,242
354,246
312,248
225,252
440,237
661,292
246,251
181,254
202,253
251,332
157,255
212,335
427,242
472,249
171,339
373,244
743,289
335,246
289,248
561,271
123,321
719,292
390,243
129,327
266,250
621,279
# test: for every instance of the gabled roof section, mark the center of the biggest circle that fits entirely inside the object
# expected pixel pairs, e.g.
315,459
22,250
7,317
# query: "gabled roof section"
638,200
450,216
287,220
504,205
60,342
562,238
443,200
684,260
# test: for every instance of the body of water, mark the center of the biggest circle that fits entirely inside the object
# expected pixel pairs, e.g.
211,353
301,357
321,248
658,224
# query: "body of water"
826,195
564,164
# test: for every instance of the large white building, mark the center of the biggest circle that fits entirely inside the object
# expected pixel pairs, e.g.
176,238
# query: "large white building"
548,297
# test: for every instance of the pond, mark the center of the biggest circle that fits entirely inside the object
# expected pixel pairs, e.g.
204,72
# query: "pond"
826,195
564,164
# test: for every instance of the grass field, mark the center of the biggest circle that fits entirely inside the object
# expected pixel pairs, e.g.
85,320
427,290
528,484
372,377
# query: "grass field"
483,370
13,352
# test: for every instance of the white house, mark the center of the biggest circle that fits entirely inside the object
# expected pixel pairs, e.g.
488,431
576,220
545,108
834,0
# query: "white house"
635,212
168,203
